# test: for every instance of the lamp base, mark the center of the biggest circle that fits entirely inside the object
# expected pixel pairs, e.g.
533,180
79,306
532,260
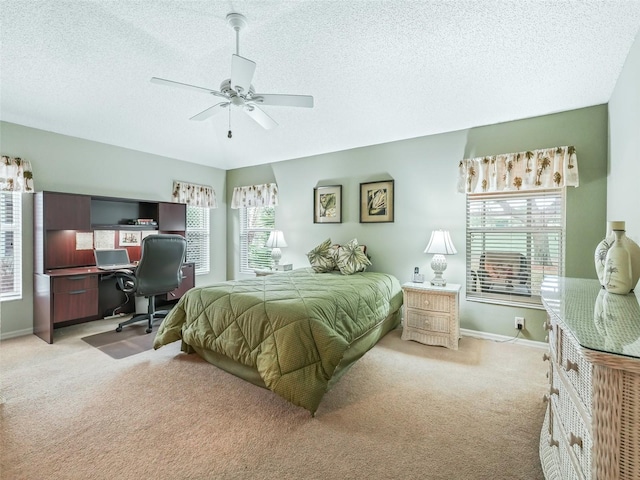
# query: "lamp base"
438,265
276,255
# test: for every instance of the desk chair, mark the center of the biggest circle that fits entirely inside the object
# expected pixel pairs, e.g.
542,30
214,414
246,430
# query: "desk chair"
158,272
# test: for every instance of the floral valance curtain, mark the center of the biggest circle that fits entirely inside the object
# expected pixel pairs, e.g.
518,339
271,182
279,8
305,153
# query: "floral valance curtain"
531,170
265,195
194,195
16,175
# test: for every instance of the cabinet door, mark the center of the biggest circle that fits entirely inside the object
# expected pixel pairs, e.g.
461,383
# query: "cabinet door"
172,217
66,211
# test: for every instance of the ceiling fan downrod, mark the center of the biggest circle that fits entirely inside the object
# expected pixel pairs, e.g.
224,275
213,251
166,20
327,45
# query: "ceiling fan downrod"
237,21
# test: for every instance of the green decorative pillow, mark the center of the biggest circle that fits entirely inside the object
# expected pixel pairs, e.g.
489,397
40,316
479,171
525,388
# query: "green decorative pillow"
321,258
351,259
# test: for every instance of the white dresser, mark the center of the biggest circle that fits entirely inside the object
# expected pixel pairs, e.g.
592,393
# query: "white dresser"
591,429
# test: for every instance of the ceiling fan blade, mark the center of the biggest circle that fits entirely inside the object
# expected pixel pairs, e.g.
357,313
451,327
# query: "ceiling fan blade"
210,112
241,73
171,83
281,100
264,120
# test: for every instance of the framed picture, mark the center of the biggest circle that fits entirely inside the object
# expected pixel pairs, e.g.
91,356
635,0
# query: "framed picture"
327,204
129,239
376,202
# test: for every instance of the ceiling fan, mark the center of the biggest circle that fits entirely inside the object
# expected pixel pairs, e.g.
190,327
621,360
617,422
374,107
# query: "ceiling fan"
238,90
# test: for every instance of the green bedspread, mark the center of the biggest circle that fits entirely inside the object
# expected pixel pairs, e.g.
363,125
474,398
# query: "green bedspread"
296,329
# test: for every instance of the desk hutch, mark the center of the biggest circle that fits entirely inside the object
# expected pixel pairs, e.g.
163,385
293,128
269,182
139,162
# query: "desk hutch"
68,287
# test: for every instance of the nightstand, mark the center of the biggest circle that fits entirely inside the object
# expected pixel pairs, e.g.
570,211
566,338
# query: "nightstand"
263,272
431,314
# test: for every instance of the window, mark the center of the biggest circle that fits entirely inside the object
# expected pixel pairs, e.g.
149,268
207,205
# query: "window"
256,223
198,238
515,241
10,246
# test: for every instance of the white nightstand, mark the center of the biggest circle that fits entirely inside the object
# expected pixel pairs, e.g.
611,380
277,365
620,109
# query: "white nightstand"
267,271
431,314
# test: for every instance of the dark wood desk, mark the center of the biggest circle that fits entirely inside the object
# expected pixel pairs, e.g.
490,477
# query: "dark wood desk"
68,296
68,288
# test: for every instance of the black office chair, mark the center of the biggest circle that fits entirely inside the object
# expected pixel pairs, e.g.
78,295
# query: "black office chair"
158,272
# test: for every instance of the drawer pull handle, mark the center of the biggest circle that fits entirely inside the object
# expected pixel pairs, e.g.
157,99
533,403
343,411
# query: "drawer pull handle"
573,440
554,391
553,443
545,357
77,277
427,302
569,365
427,324
547,326
77,292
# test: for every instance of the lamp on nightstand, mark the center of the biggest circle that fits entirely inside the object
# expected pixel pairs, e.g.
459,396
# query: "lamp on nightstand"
275,241
440,244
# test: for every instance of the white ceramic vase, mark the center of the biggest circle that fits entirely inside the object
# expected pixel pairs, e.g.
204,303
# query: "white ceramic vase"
617,267
604,246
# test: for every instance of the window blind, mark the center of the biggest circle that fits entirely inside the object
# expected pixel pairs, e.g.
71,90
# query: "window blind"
515,240
10,245
198,238
256,223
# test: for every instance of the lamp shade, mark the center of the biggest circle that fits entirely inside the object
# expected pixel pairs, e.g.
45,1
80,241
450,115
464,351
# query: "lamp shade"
440,243
276,240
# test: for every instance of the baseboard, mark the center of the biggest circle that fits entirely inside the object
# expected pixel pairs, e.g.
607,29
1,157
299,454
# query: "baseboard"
502,338
16,333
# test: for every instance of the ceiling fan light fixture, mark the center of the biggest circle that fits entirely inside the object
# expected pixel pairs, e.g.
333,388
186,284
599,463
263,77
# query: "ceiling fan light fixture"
238,90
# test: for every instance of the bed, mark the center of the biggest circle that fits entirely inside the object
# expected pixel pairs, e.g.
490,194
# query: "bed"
295,333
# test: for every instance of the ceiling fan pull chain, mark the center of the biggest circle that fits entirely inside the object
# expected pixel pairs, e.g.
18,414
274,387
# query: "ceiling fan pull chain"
229,135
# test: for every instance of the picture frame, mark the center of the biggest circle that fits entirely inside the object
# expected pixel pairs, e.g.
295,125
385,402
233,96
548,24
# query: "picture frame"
377,202
129,238
327,204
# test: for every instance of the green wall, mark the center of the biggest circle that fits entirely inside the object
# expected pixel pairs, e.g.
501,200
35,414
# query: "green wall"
424,171
68,164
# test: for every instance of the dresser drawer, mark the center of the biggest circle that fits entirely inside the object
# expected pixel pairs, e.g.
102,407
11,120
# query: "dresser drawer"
565,461
428,301
74,282
578,370
428,321
576,434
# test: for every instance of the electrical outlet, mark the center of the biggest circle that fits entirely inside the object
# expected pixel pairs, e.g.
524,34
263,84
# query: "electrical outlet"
519,323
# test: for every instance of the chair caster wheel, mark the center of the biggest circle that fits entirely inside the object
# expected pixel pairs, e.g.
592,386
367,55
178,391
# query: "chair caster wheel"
148,330
118,329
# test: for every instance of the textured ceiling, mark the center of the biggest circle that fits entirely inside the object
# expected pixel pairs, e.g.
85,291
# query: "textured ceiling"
379,71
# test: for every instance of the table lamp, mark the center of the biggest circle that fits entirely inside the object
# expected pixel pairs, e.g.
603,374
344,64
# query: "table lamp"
440,244
274,242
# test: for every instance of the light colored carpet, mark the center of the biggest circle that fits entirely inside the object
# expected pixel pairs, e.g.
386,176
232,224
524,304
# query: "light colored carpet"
404,411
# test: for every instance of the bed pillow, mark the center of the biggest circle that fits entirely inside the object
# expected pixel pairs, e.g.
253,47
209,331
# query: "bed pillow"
336,247
351,259
322,258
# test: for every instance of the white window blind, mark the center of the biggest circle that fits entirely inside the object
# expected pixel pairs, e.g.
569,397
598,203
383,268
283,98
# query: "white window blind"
198,238
256,223
10,246
515,240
